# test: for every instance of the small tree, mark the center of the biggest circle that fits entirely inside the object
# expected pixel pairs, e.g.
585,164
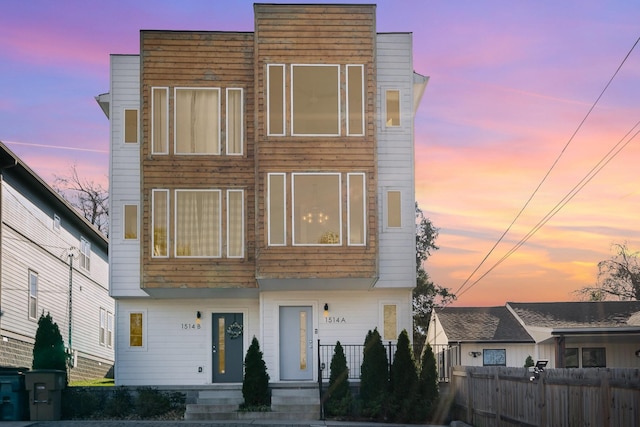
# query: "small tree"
339,394
528,362
428,382
403,382
374,376
255,385
48,349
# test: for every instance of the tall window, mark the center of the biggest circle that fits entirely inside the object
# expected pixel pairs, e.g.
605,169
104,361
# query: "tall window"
235,122
317,218
198,223
197,121
315,100
390,319
130,222
56,222
136,330
109,339
277,194
103,326
235,223
160,222
356,209
85,254
392,104
130,126
159,120
275,99
33,295
355,100
394,209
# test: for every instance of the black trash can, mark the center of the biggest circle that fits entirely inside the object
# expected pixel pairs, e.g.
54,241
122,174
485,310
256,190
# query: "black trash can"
13,395
45,393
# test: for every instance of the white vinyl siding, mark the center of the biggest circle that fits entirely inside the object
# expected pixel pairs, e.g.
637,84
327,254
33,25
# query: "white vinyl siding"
275,100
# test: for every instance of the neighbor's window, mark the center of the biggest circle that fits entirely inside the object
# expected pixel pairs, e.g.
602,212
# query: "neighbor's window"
160,222
159,120
135,330
197,119
390,319
356,209
198,223
392,104
235,121
394,209
85,254
491,357
355,100
317,211
571,358
130,222
109,339
56,222
33,294
275,99
277,194
235,223
103,326
595,357
315,100
130,126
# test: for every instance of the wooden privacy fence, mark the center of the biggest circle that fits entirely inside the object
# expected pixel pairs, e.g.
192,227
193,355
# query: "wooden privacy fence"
501,396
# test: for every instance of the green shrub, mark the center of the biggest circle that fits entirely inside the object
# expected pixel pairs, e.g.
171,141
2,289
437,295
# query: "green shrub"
374,377
428,383
48,349
403,382
78,403
255,384
338,401
120,404
528,362
150,403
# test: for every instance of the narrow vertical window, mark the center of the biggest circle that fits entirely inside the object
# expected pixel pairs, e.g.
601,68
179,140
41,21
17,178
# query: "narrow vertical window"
159,120
85,254
198,223
303,340
275,99
135,330
235,223
130,222
103,326
221,346
33,295
235,122
394,209
160,222
56,222
392,108
355,100
130,126
276,209
109,339
197,121
356,209
390,318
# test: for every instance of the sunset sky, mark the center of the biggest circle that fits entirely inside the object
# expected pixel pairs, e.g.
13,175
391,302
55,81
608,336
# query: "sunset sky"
510,83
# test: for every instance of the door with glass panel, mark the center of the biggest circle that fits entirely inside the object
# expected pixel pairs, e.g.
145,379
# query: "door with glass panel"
296,343
227,347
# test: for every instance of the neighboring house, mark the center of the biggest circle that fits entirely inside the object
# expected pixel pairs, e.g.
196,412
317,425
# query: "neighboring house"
41,235
567,334
262,184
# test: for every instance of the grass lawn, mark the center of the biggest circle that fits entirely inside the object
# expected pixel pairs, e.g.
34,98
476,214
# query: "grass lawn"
99,382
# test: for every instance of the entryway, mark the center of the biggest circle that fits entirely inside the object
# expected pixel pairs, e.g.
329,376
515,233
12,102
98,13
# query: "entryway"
227,349
296,343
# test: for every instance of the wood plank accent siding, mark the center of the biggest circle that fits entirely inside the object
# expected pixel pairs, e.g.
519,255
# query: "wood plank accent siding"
198,59
315,34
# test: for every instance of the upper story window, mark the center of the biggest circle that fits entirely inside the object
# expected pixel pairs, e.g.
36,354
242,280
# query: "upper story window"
85,254
56,222
160,223
276,211
235,223
103,326
235,122
356,209
317,218
355,100
315,100
275,99
33,295
130,126
197,121
159,120
198,223
392,108
394,209
130,222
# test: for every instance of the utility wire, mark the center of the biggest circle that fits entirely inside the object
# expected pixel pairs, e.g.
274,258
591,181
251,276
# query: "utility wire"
544,178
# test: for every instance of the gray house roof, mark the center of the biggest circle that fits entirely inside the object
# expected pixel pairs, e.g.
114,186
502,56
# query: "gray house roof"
482,324
560,315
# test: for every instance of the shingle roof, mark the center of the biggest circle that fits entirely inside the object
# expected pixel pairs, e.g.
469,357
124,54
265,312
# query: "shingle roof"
476,324
603,314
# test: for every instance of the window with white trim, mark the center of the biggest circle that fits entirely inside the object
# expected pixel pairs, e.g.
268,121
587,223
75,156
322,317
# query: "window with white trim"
56,222
276,210
355,100
317,208
160,223
159,120
33,295
275,99
109,339
103,326
390,322
235,223
315,99
235,122
197,120
136,330
85,254
356,209
130,118
197,223
394,209
392,108
130,215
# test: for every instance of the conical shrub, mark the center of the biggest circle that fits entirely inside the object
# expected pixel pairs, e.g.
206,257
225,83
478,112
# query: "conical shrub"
338,401
255,385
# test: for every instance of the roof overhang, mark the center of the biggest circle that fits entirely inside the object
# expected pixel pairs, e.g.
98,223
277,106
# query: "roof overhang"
103,100
419,85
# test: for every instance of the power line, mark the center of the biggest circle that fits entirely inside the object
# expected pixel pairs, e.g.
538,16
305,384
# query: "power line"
544,178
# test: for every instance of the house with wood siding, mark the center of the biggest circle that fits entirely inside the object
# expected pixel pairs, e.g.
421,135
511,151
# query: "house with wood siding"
262,184
52,260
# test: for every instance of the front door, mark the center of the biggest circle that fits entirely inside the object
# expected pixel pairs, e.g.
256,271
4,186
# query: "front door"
296,343
228,355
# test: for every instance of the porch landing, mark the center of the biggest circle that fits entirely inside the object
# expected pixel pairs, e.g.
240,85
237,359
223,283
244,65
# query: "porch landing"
289,401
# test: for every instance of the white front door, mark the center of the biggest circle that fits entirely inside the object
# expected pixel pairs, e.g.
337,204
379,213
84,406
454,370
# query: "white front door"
296,343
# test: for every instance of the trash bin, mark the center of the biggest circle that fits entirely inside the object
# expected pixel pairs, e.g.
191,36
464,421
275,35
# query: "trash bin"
13,396
45,393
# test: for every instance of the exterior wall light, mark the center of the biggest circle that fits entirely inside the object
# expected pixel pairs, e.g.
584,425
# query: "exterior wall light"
198,317
326,310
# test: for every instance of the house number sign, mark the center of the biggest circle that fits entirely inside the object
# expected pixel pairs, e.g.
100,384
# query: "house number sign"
189,326
335,319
